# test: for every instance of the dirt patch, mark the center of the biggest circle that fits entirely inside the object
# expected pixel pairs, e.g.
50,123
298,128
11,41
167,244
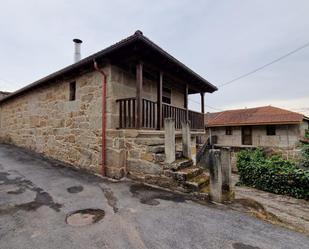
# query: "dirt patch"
75,189
85,217
255,208
243,246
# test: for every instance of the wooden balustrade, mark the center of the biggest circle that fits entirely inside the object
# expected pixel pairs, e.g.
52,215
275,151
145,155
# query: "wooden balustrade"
178,114
196,120
149,111
127,115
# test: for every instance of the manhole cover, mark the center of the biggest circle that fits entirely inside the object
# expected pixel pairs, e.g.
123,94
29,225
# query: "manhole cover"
85,217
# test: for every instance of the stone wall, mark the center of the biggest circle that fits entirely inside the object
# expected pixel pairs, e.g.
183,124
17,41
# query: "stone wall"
287,136
45,121
138,153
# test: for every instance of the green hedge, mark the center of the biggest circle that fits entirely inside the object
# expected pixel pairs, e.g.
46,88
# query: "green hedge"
273,174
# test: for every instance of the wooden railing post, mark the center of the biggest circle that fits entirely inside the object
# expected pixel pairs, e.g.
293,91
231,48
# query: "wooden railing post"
159,101
203,102
186,102
139,92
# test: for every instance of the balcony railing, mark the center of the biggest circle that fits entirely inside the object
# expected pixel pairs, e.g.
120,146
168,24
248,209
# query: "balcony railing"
128,111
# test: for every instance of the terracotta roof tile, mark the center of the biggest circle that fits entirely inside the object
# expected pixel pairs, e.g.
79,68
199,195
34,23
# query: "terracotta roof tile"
253,116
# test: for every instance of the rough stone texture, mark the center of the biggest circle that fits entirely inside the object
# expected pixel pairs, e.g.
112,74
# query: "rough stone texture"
45,121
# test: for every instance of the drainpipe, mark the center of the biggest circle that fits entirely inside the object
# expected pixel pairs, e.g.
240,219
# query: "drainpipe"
104,77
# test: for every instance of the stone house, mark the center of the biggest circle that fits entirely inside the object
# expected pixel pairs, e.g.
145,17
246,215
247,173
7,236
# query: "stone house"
265,126
105,113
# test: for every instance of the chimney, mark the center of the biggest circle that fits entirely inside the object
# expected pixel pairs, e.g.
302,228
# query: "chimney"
77,44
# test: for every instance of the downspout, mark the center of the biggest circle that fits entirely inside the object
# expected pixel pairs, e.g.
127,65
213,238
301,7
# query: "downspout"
104,77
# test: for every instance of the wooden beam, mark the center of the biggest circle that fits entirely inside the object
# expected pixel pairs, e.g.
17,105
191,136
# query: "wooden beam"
159,101
186,102
203,102
139,92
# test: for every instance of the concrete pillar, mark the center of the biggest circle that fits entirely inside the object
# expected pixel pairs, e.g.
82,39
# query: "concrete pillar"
220,175
186,139
215,175
169,137
226,169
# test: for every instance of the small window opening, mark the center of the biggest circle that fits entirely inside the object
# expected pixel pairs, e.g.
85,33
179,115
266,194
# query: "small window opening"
72,91
228,130
166,95
271,130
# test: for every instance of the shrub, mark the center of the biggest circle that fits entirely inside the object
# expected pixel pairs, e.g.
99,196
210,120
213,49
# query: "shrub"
305,155
273,174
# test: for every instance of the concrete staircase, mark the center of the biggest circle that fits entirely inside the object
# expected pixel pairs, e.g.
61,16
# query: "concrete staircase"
187,176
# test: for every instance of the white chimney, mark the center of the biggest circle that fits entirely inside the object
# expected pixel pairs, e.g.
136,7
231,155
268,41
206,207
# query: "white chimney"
77,54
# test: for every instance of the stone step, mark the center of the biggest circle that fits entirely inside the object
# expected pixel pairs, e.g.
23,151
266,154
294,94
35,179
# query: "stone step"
159,157
181,164
179,155
197,183
187,173
156,149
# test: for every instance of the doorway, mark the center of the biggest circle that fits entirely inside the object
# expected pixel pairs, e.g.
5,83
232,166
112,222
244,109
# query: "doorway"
246,135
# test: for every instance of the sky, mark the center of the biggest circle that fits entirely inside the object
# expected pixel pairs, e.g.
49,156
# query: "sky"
218,39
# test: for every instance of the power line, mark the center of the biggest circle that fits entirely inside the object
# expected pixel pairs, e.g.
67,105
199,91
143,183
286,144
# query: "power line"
214,108
265,65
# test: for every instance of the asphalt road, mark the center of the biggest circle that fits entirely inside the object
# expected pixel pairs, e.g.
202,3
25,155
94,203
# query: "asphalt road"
36,195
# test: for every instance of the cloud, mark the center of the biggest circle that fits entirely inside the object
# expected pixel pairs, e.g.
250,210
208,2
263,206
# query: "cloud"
220,40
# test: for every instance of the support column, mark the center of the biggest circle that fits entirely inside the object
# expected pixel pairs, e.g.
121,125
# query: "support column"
215,174
226,173
220,175
139,92
186,102
203,102
169,140
186,140
159,101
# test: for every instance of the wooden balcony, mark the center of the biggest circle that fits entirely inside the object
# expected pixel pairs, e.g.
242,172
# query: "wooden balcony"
151,119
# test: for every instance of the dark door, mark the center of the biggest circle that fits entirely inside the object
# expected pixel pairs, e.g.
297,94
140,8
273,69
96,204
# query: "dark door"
246,134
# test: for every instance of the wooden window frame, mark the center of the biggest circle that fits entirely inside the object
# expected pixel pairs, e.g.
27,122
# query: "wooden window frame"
228,131
167,95
72,91
271,130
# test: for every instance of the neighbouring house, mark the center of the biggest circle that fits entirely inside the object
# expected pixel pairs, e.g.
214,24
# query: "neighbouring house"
3,94
265,126
62,115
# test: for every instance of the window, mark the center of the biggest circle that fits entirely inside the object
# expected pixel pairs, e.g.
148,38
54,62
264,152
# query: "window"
271,130
228,130
72,96
166,95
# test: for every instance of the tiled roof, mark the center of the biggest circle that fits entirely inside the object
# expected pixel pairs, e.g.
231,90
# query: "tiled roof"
253,116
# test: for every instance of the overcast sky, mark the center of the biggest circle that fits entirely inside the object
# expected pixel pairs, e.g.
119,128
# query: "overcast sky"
220,40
